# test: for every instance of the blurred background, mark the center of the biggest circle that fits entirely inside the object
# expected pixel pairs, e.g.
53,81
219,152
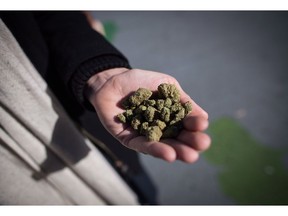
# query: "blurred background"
234,65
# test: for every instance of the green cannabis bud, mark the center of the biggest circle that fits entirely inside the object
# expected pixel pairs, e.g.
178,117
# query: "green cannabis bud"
136,122
169,91
155,115
165,114
121,117
139,96
150,113
159,123
153,133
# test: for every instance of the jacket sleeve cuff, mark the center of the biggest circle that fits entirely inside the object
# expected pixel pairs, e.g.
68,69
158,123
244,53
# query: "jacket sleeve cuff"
88,69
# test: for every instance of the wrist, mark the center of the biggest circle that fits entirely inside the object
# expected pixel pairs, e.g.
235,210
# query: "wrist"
96,81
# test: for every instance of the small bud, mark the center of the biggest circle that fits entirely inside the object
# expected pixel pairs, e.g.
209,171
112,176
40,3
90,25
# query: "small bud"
159,123
168,103
169,91
153,133
176,107
150,113
139,96
160,104
129,114
143,128
188,107
136,122
165,114
149,102
121,117
140,109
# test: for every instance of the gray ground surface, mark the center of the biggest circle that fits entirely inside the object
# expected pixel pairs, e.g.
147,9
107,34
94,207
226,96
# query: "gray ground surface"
230,63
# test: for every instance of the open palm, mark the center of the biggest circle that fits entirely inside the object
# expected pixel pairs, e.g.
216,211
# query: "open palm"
106,101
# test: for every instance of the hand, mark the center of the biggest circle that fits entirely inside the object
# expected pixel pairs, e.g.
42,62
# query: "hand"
105,90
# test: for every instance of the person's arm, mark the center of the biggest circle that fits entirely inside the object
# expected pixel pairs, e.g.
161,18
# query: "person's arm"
86,61
76,50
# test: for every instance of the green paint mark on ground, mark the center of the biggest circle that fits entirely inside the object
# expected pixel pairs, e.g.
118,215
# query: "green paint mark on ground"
111,29
251,172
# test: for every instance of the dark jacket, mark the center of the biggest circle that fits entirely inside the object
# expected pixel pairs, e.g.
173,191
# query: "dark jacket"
63,47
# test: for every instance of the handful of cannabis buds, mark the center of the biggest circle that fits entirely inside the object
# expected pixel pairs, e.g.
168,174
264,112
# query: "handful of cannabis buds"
155,115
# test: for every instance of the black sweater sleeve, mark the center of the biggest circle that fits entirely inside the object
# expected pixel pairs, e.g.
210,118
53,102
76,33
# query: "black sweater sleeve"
77,51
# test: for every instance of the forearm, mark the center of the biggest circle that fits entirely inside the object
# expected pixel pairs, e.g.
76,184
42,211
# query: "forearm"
78,52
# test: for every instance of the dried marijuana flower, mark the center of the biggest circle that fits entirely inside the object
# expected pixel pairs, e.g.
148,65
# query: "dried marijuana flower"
139,96
155,115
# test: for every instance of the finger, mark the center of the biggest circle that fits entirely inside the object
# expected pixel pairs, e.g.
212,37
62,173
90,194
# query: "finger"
195,123
197,140
196,109
183,152
156,149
